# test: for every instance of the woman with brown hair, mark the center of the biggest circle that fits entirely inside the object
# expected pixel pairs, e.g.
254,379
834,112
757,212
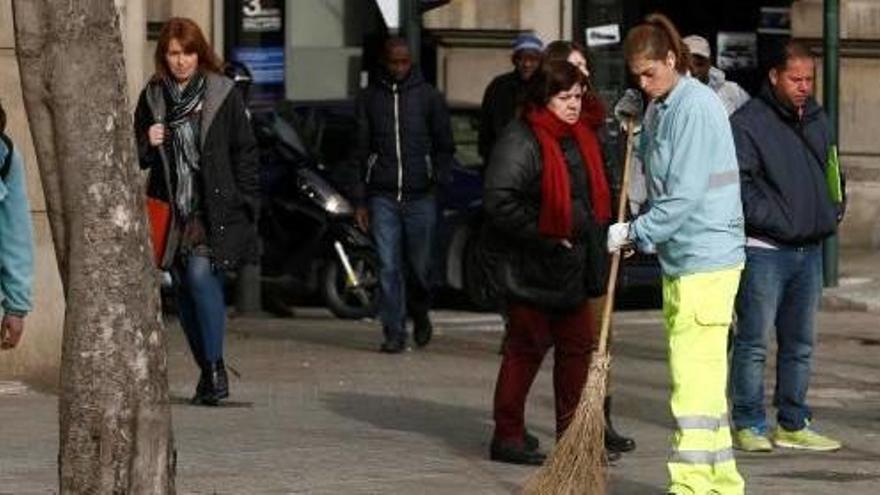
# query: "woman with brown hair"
695,223
195,138
540,187
593,115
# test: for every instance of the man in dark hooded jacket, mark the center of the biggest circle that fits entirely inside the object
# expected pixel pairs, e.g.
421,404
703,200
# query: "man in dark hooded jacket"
405,146
504,94
783,142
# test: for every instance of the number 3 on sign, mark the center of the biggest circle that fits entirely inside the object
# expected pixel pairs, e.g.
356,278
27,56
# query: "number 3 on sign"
252,7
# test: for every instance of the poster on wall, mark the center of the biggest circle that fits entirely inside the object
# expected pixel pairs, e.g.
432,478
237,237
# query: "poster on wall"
608,34
255,38
737,51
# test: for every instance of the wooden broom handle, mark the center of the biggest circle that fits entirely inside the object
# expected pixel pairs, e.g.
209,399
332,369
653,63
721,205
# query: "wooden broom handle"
615,258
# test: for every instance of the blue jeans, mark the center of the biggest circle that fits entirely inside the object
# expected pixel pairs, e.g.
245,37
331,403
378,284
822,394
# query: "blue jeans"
781,289
403,231
201,307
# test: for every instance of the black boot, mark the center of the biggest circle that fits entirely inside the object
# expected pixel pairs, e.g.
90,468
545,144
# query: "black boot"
393,346
216,386
515,454
615,442
531,442
395,341
422,329
202,386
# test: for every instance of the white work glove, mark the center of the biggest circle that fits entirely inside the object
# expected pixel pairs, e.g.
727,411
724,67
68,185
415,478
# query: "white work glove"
618,236
629,106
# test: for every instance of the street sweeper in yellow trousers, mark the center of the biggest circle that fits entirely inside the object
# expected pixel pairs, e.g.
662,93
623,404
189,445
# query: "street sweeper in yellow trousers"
697,311
694,222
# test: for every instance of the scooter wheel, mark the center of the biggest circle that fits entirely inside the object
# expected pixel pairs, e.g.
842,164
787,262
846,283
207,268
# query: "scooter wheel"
348,302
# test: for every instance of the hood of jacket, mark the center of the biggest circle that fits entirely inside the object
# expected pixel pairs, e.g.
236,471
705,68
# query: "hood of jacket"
787,113
717,78
413,79
216,91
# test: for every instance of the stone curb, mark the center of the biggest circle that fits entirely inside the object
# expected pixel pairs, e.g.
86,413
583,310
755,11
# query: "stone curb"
865,298
832,302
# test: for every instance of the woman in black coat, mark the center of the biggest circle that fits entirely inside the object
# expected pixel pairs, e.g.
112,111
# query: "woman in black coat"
593,114
542,225
195,138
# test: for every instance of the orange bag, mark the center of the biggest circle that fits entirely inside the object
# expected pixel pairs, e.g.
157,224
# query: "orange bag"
159,214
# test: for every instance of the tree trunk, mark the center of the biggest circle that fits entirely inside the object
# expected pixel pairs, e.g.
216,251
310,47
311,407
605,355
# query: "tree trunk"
114,412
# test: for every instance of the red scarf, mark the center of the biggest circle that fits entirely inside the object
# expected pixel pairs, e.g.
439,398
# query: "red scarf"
555,218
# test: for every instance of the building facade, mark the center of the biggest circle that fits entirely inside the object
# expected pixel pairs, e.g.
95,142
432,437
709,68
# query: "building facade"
329,46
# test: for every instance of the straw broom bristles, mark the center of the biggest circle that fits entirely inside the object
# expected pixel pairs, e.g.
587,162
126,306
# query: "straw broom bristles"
578,464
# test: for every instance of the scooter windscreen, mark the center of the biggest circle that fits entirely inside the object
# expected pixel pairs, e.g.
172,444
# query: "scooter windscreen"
287,134
322,193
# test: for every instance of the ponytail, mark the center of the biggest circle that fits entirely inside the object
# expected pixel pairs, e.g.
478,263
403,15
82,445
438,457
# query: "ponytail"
655,37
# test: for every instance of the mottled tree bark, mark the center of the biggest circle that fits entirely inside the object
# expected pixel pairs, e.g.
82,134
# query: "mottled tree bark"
115,419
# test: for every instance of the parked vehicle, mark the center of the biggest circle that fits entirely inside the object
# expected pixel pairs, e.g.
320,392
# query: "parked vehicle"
307,225
330,126
461,210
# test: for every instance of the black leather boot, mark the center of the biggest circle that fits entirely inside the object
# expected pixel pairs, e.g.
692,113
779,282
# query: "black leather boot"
531,442
515,454
422,329
216,386
615,442
202,386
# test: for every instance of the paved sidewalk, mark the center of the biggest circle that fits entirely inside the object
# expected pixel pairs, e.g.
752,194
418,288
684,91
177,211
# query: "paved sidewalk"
859,288
315,409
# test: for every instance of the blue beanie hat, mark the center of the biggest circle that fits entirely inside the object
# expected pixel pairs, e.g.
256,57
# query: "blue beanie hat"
527,41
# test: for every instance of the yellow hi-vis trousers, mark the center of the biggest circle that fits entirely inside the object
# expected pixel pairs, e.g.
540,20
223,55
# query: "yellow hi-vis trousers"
698,310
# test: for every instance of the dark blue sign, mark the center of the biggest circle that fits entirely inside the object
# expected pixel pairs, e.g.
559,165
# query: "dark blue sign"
255,37
266,63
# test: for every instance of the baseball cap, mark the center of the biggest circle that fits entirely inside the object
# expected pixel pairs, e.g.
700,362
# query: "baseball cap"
527,41
698,46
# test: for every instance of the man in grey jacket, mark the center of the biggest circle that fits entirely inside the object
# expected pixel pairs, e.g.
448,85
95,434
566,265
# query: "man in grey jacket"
731,94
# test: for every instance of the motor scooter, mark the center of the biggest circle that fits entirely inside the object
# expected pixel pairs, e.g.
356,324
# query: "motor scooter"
306,224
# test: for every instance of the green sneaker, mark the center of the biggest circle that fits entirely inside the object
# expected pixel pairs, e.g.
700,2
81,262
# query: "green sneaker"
751,440
804,439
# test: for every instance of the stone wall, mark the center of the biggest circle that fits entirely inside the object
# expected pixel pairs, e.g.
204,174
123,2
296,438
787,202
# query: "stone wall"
466,65
859,101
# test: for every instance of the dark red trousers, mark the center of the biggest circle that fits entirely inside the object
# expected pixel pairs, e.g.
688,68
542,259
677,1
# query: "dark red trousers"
530,333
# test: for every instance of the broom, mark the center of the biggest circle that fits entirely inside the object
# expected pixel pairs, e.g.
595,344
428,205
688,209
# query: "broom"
578,461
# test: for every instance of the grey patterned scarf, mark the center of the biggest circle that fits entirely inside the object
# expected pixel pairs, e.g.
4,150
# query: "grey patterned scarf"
184,135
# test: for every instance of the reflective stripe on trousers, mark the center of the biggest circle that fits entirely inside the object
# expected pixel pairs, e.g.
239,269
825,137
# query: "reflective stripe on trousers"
698,310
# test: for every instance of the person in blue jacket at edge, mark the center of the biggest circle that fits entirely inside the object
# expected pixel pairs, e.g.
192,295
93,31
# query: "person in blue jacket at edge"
16,242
